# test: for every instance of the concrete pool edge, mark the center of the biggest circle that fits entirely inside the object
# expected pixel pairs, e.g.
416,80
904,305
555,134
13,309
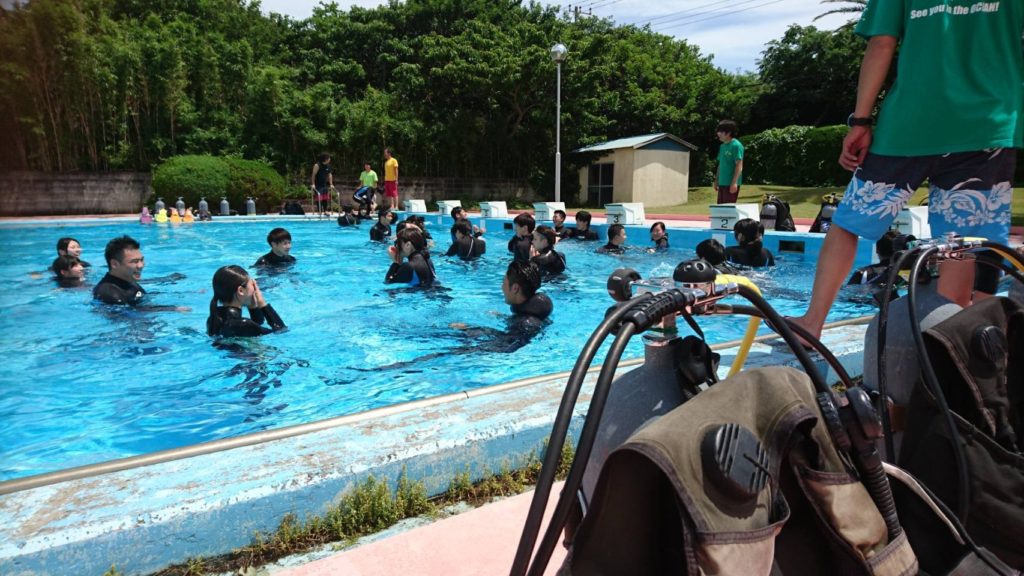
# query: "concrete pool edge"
149,516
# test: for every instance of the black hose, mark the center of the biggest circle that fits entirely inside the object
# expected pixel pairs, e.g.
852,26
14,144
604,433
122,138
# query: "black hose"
586,443
802,332
932,381
558,434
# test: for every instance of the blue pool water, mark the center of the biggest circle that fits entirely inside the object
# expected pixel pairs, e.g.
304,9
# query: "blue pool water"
83,383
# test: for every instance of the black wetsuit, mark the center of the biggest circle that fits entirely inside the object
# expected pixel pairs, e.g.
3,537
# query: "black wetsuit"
380,232
661,244
753,254
610,248
550,262
588,234
417,271
468,248
348,219
562,231
113,290
872,274
520,248
271,259
232,323
725,268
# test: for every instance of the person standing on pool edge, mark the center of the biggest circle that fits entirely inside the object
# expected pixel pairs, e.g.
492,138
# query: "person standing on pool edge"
939,122
322,182
391,178
729,175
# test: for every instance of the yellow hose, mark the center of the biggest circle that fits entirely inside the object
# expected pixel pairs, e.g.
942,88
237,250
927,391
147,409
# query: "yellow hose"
1012,259
752,324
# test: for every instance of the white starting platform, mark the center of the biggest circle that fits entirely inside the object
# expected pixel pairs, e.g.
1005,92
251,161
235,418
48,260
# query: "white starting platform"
415,205
725,216
493,209
631,213
546,210
444,207
913,221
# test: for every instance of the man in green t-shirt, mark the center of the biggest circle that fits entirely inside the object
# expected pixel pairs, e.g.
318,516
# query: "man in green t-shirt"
953,117
729,175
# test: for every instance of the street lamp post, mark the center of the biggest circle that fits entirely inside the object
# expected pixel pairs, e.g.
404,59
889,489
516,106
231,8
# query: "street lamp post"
558,53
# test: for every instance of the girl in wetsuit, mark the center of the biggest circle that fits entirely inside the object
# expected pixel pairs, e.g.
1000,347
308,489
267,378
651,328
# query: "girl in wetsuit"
548,261
410,259
234,288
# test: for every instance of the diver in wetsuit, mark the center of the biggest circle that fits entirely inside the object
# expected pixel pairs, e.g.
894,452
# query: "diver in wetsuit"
558,219
582,230
121,283
751,250
464,244
659,237
519,245
68,271
71,247
234,288
712,252
548,261
280,247
410,259
616,238
381,231
530,308
347,218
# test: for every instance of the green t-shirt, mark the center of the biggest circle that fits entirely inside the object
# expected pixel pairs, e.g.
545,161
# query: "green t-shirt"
960,75
368,178
728,154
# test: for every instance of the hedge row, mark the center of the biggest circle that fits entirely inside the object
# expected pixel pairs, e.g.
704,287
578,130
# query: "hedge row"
795,156
215,177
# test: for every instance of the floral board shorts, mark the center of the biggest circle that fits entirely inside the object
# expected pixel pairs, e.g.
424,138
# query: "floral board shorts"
969,193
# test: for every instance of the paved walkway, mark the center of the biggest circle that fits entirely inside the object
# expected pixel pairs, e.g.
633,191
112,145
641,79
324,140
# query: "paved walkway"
481,542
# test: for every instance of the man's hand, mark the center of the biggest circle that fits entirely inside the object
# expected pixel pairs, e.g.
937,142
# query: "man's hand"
855,147
732,188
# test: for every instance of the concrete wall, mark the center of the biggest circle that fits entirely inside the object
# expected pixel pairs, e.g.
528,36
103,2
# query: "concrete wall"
48,194
466,189
661,177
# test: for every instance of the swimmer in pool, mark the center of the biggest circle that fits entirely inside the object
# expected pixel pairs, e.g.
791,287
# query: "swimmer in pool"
235,289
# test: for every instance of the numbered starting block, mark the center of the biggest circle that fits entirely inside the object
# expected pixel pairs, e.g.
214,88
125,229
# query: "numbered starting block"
627,213
444,207
493,209
546,210
725,216
415,205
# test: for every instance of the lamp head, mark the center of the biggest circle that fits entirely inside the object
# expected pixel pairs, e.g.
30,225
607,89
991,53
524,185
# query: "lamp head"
558,53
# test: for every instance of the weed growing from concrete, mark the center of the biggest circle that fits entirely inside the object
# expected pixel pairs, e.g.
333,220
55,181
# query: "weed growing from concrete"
370,507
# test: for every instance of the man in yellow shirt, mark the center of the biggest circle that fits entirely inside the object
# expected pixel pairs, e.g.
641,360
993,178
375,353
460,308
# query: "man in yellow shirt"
391,179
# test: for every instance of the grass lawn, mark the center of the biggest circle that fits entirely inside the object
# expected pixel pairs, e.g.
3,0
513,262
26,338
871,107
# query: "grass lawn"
804,202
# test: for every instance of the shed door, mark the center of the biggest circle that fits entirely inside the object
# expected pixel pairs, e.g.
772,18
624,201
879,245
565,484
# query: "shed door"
599,184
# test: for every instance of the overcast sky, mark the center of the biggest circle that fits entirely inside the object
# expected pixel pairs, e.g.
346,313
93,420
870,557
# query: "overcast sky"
733,31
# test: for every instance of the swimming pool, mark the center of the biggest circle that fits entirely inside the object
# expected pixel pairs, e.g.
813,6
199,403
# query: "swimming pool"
85,384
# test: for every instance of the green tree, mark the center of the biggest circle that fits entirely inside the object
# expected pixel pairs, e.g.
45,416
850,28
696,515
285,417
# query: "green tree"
810,77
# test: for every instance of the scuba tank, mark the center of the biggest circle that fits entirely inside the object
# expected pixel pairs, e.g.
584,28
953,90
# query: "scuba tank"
204,206
829,205
159,205
250,207
180,206
769,212
225,208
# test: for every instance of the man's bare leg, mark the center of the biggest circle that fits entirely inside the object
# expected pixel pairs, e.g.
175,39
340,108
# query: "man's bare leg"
834,263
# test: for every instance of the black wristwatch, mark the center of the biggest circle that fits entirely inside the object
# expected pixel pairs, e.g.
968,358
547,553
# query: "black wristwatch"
852,121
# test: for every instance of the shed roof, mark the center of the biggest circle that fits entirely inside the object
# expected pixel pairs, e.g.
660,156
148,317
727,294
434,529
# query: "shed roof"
635,142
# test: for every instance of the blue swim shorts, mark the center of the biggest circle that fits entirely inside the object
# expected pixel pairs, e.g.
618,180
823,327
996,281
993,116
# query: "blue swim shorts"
969,193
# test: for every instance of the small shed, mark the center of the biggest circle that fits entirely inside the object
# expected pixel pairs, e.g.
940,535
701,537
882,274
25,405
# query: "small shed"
653,169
